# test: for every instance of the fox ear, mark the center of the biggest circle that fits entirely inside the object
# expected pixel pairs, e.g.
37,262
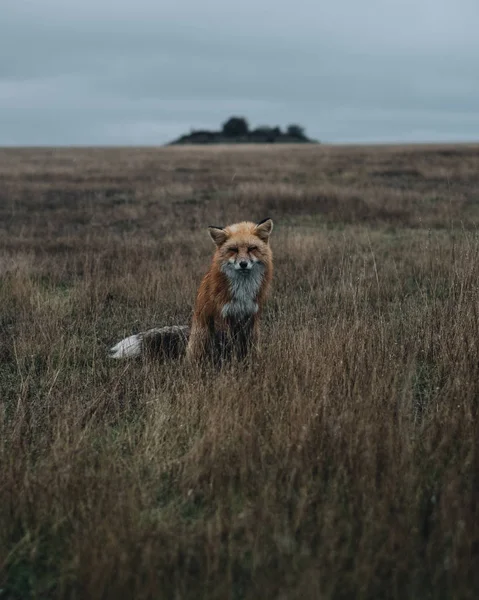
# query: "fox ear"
263,229
218,235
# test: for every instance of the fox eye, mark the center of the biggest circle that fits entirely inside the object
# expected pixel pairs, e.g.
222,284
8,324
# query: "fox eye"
233,249
252,248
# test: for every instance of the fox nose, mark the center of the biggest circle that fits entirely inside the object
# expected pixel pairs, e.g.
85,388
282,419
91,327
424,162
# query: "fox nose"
243,264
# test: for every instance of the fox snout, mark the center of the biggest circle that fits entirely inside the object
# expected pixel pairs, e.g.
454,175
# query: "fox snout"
243,264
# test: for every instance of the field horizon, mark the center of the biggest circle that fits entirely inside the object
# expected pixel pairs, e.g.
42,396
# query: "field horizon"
343,463
370,145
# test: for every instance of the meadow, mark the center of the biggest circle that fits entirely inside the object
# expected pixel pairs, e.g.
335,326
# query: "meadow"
343,463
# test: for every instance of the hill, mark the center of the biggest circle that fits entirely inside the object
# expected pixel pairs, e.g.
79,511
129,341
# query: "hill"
236,131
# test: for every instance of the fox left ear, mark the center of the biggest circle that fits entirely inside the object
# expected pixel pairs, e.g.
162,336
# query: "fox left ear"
263,229
218,235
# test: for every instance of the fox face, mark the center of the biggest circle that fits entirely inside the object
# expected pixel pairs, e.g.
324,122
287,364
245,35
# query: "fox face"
241,258
243,247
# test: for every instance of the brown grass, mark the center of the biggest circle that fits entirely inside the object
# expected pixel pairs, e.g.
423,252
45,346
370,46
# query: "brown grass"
344,465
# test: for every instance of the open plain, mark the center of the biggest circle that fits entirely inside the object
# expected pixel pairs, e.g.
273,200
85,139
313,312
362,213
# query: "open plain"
343,463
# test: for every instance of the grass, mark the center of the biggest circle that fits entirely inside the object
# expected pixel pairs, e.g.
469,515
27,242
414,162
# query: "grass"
343,464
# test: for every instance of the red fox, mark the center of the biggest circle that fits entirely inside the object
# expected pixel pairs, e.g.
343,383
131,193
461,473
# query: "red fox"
228,304
232,293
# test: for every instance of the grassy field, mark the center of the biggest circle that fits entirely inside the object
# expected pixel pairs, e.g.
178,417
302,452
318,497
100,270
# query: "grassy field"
345,464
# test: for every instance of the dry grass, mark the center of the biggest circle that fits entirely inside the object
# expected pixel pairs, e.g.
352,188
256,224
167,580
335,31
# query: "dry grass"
344,465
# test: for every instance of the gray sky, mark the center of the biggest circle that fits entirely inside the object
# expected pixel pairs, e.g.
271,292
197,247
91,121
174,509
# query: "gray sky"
146,71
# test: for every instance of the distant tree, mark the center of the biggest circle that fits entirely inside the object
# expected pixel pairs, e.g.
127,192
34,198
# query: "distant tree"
270,134
236,130
296,131
235,127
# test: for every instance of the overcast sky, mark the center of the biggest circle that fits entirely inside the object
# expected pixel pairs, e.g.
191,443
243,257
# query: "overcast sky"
85,72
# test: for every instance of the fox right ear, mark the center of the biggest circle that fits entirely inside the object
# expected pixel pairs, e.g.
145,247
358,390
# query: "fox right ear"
218,235
263,229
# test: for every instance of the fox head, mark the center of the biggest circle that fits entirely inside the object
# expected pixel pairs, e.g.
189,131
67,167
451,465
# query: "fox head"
243,247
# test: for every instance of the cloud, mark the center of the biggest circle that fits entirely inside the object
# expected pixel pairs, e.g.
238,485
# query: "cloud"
119,72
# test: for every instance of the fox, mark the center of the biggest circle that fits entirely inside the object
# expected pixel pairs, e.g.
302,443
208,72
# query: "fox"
228,304
232,293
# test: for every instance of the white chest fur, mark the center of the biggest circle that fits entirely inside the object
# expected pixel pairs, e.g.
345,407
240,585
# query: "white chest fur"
244,288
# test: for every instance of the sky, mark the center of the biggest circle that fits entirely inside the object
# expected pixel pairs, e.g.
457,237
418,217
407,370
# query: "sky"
143,72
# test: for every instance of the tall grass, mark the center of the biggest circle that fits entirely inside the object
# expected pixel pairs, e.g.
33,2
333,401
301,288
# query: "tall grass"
344,463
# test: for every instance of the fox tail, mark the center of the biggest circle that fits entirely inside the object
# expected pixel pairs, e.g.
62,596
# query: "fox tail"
165,342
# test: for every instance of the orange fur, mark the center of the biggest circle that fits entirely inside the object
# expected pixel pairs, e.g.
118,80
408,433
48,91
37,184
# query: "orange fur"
232,293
